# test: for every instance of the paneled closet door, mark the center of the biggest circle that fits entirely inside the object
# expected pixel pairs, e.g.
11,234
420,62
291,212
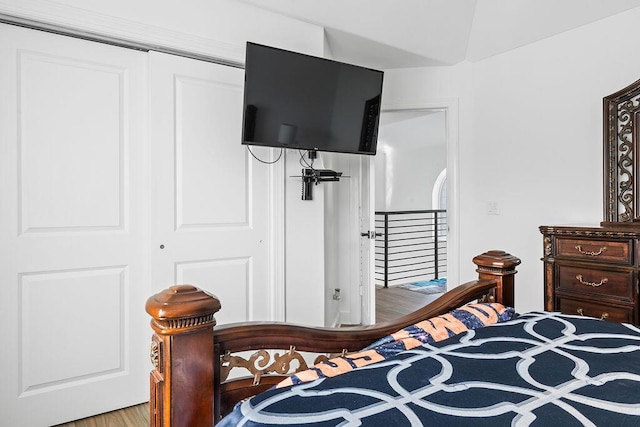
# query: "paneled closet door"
73,221
211,199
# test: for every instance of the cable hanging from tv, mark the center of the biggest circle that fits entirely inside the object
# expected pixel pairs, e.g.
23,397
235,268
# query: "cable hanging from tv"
265,161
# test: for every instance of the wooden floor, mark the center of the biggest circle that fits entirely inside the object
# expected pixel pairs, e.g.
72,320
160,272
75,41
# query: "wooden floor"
390,303
394,302
134,416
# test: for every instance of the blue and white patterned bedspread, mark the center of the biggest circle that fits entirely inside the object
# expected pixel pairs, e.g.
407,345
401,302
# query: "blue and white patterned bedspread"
541,369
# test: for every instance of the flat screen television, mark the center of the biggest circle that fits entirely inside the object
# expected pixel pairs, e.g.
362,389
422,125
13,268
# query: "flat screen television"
293,100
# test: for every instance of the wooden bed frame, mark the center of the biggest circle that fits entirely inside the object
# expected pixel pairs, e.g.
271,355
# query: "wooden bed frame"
191,359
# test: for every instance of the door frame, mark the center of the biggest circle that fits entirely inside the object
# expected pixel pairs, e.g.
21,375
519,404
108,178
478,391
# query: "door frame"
366,244
450,108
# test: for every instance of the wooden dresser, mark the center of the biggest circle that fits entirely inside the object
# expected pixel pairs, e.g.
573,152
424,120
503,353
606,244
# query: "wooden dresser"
592,271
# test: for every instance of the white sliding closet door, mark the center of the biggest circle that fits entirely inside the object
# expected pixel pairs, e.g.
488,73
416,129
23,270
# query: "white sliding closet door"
210,197
73,221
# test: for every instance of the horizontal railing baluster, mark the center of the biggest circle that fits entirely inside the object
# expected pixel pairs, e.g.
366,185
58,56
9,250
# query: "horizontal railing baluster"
412,242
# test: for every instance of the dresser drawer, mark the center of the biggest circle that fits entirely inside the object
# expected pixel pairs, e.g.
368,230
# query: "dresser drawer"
618,251
593,270
597,310
616,284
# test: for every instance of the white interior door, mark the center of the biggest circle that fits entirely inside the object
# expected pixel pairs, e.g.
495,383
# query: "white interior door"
211,198
367,243
73,269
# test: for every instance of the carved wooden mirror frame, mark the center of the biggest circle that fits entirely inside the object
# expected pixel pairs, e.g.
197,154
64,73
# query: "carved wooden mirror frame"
621,164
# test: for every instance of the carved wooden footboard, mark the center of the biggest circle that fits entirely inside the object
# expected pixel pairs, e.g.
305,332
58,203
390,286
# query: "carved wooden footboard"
190,386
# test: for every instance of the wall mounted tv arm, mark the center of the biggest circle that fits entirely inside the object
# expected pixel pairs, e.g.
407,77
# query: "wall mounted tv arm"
312,177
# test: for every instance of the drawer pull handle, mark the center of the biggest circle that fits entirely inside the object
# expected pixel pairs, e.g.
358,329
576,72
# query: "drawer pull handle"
590,253
593,284
604,315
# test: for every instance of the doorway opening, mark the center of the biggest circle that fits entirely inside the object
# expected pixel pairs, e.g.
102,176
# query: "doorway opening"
411,198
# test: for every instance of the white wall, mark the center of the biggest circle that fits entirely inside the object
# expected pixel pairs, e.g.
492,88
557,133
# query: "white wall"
530,138
412,152
304,243
537,141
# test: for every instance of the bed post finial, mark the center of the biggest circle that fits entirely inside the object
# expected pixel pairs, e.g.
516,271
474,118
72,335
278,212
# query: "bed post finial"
183,321
500,266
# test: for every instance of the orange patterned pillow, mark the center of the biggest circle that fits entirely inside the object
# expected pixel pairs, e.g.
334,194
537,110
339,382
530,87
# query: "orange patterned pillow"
471,316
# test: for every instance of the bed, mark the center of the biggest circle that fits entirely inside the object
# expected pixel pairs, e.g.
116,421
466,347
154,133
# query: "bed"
506,369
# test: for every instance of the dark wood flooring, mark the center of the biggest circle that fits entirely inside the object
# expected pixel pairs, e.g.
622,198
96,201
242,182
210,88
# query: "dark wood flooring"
390,303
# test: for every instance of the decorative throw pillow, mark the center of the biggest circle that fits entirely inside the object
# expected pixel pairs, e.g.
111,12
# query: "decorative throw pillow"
471,316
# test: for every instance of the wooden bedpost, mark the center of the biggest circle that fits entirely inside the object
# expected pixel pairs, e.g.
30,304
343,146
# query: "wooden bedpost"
181,388
501,266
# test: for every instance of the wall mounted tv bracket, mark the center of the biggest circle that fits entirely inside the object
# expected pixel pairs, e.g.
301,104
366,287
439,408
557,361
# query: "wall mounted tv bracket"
316,176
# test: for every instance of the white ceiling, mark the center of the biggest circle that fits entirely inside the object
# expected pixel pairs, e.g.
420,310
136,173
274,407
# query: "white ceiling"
389,34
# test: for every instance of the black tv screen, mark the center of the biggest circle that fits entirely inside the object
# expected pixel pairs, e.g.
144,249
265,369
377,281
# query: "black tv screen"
298,101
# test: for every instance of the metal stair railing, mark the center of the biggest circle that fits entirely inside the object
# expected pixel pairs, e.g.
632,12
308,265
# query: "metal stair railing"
411,247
